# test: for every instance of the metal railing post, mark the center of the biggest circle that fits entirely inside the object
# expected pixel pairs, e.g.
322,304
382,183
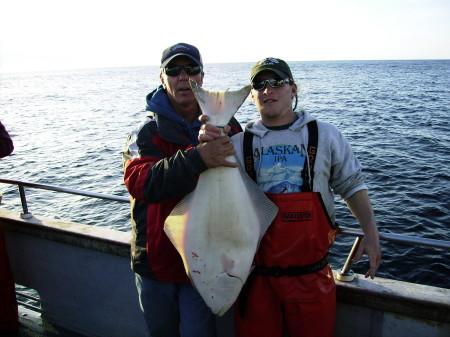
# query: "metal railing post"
26,214
345,274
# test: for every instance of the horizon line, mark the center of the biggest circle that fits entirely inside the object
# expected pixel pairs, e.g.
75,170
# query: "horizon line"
206,63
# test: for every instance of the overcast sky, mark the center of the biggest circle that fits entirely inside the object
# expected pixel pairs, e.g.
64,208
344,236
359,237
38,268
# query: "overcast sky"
71,34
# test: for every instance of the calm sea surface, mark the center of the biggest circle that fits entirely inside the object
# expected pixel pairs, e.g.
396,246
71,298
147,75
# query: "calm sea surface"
69,128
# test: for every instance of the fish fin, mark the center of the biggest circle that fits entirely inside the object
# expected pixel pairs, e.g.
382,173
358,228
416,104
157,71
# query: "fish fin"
265,209
175,224
220,106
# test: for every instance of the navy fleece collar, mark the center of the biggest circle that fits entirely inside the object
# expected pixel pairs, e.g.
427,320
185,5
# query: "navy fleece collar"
159,103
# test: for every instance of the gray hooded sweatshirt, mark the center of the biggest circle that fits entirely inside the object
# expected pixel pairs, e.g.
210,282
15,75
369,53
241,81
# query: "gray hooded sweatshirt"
279,155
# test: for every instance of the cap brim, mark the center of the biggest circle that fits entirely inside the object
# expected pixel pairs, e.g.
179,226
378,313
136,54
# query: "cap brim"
166,62
278,72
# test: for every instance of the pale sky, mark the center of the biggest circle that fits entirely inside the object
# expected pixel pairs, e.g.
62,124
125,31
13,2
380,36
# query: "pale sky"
72,34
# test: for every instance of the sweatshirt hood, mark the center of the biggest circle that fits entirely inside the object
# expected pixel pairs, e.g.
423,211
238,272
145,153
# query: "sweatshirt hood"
258,128
158,102
178,129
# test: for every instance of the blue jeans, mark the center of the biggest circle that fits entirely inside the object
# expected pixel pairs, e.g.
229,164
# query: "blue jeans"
174,309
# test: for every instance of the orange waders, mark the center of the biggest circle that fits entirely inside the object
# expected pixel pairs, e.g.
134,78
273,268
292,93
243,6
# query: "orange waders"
292,282
292,285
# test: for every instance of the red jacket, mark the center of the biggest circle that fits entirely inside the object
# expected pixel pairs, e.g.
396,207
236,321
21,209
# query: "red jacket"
161,166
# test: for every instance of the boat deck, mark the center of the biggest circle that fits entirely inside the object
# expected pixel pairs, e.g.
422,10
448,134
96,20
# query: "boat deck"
32,325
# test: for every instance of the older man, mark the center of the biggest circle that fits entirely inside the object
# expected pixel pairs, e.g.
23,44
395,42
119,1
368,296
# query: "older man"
162,162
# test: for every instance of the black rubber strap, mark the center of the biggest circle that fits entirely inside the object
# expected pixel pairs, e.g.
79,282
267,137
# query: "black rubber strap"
313,139
291,270
277,272
248,155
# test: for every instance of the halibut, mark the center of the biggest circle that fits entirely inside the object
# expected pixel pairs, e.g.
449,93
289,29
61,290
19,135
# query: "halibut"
217,228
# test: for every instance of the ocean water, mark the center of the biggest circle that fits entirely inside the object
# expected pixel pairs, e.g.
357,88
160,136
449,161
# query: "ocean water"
69,128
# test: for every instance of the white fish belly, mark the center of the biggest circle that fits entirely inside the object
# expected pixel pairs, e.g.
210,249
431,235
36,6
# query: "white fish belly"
221,237
217,228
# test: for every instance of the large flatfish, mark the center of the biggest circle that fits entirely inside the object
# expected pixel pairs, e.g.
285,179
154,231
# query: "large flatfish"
217,228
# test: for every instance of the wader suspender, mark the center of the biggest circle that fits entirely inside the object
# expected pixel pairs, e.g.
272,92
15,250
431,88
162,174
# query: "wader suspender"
307,175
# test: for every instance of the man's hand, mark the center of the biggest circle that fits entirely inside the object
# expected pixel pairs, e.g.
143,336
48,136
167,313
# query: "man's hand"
215,152
209,132
361,207
370,245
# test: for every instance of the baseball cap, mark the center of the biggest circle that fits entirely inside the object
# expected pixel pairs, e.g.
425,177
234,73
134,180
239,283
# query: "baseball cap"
278,66
181,49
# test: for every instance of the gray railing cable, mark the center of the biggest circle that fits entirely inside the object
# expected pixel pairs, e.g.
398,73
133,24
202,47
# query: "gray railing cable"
344,274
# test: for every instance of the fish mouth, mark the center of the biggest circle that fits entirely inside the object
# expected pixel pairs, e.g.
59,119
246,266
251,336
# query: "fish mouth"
231,276
270,100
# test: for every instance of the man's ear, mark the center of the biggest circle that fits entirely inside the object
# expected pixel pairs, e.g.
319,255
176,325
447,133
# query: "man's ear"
294,90
161,77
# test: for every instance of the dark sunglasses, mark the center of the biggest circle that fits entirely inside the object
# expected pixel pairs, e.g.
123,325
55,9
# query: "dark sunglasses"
274,83
176,70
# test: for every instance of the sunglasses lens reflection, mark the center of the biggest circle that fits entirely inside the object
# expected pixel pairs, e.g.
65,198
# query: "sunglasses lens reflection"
273,82
176,70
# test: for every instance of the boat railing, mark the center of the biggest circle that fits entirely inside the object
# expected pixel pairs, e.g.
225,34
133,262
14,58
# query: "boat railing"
344,274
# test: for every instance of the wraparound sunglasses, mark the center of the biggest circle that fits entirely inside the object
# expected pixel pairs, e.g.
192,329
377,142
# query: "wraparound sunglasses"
273,82
176,70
